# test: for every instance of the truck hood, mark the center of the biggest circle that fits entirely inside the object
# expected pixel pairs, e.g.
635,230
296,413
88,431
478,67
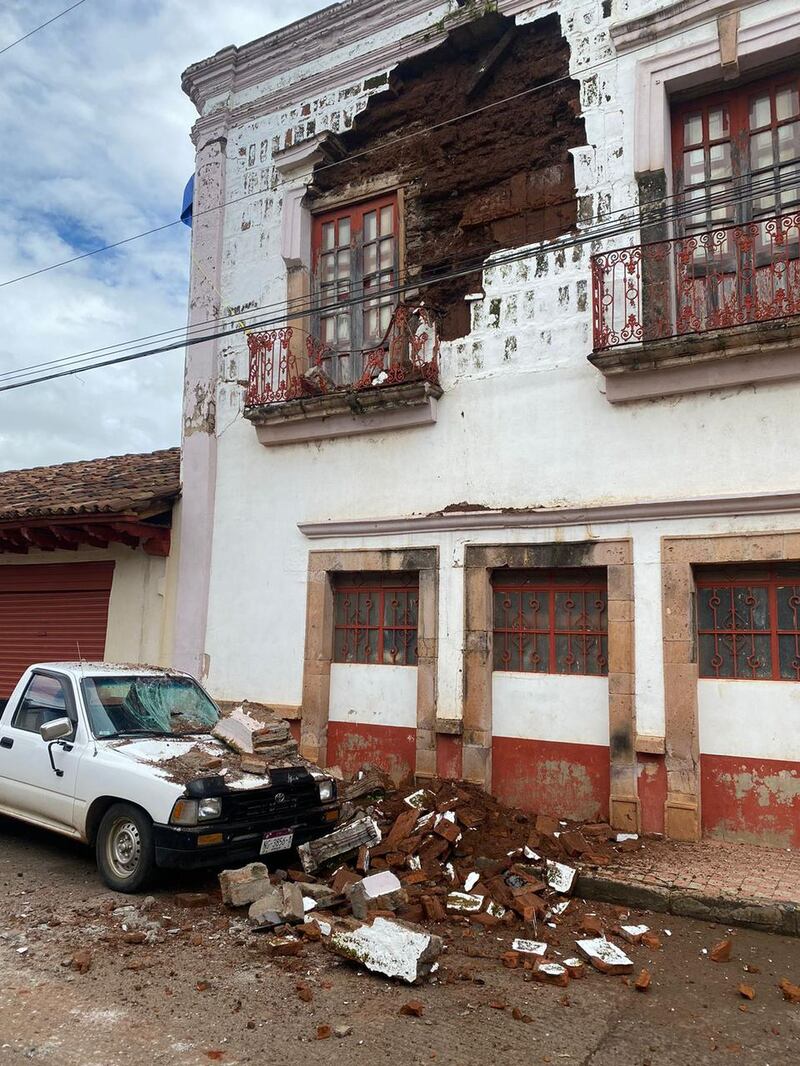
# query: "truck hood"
165,756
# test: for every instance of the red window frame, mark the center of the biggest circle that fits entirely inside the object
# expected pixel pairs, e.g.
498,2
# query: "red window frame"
742,130
551,622
375,618
355,252
739,616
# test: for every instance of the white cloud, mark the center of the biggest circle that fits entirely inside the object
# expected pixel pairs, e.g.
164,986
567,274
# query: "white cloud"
95,134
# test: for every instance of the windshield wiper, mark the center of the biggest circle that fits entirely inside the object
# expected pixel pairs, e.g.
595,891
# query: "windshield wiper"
140,733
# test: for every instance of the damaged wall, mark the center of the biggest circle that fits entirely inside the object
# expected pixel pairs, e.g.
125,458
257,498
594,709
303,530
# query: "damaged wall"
501,178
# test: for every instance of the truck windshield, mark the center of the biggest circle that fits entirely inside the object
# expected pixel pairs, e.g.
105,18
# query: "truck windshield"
147,705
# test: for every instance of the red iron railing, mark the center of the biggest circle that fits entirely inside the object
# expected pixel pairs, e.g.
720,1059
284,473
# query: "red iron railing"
731,276
287,364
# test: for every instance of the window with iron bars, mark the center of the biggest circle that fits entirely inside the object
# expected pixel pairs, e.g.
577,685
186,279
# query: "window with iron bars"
354,258
375,618
551,622
748,624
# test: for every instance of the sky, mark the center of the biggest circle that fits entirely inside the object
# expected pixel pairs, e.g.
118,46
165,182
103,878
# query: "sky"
95,141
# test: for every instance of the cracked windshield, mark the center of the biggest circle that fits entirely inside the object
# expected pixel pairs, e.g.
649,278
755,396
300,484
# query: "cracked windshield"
147,706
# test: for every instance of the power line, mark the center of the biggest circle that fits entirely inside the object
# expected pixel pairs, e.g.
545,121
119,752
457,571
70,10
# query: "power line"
36,29
715,200
304,305
337,162
478,263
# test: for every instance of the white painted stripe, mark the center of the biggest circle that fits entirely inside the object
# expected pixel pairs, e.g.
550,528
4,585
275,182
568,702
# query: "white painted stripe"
570,710
373,695
755,719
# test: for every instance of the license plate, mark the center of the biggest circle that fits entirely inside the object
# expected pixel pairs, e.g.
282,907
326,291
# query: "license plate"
278,840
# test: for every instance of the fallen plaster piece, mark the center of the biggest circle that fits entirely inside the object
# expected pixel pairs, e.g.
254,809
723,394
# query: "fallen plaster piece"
605,956
471,880
389,948
495,909
450,871
530,947
308,904
620,837
634,933
414,862
324,927
559,908
464,902
529,853
446,816
421,800
560,877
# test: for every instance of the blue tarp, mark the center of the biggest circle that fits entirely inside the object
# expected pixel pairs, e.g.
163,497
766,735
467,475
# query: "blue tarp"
188,200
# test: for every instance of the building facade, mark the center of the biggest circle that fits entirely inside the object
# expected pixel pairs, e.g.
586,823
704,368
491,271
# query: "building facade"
85,564
502,472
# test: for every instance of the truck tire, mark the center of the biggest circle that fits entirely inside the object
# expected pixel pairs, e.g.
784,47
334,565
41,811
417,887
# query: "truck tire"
125,852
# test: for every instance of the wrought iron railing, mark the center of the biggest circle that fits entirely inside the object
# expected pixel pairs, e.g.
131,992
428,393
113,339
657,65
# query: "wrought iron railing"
730,276
288,364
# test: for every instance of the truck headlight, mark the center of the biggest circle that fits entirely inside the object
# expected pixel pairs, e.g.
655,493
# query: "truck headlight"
192,811
327,790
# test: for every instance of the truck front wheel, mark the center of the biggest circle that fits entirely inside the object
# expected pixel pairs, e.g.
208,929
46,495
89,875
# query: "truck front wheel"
125,852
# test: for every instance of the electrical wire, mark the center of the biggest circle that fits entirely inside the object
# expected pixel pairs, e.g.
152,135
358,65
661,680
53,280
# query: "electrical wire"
341,305
297,306
36,29
338,162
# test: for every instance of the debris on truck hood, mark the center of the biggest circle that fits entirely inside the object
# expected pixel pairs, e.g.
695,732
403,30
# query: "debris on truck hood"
256,734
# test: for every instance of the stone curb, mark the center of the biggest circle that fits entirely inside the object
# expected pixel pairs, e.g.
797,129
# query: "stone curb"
768,917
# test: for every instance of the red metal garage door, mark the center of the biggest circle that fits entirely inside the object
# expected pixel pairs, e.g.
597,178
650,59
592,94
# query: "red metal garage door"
48,613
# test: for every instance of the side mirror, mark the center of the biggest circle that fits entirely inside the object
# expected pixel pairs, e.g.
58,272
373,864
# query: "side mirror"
56,730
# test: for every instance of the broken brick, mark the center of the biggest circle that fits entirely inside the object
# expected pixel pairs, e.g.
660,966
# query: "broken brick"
304,992
791,992
721,952
551,973
746,991
412,1009
642,982
81,961
605,956
324,1032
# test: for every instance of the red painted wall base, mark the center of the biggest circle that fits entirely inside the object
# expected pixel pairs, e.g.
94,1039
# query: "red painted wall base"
752,800
392,748
563,780
652,786
448,756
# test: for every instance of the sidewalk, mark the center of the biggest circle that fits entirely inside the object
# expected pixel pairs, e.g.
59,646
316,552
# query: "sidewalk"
736,884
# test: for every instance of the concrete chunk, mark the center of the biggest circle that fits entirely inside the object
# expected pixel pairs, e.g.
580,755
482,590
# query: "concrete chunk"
390,948
381,891
244,886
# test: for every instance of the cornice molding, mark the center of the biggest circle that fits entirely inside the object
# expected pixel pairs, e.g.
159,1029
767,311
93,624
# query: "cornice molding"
233,70
550,518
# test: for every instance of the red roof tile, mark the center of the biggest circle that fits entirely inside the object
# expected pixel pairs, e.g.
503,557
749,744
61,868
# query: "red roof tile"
119,484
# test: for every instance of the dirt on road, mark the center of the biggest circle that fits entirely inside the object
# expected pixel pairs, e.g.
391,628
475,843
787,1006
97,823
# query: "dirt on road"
91,978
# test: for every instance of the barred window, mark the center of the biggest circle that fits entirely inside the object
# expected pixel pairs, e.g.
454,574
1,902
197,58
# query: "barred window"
551,622
375,618
748,624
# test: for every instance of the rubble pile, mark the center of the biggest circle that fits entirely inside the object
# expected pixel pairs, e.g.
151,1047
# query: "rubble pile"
257,735
447,855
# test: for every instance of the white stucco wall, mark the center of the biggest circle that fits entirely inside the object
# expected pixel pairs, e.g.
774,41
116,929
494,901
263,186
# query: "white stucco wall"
374,695
751,719
523,422
136,609
570,710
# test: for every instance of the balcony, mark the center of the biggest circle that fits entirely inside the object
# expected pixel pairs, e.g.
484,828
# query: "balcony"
301,389
710,310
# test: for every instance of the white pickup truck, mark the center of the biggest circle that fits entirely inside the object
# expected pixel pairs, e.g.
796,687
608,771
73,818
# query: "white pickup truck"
123,758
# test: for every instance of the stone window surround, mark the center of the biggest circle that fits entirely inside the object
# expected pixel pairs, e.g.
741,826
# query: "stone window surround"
696,64
319,642
682,815
616,556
